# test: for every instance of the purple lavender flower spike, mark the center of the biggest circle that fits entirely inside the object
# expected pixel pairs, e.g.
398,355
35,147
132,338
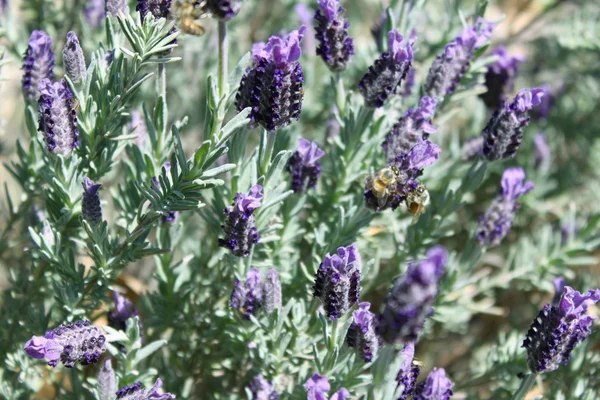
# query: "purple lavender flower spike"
409,372
317,387
158,8
335,46
94,12
558,329
91,210
362,335
107,385
384,77
137,392
38,64
240,229
58,118
116,7
272,292
273,85
247,297
410,300
341,394
337,283
73,59
414,125
500,78
450,66
472,148
542,154
124,309
495,224
77,342
436,387
222,9
304,166
262,389
503,133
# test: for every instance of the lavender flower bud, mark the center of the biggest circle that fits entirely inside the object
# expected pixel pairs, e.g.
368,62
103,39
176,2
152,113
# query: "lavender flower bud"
542,154
450,66
409,302
472,148
272,292
504,131
361,334
158,8
335,46
94,12
247,297
262,389
38,64
383,78
436,387
408,373
137,392
272,85
116,7
414,125
558,329
304,166
318,386
90,204
222,9
559,284
500,78
337,283
58,118
495,224
107,385
73,59
240,229
77,342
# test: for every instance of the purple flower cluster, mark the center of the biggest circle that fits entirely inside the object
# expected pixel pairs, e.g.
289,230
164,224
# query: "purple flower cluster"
337,283
413,126
500,78
495,224
138,392
304,166
77,342
240,229
58,118
335,46
91,210
410,301
361,334
558,329
409,372
318,386
38,64
273,85
158,8
384,77
251,295
503,133
222,9
73,59
450,66
262,389
436,387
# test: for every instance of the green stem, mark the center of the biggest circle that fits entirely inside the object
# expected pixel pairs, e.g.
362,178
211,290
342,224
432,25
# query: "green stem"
223,58
525,387
270,145
334,332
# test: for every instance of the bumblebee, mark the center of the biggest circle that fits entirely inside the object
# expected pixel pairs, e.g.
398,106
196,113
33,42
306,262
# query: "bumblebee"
417,201
188,13
381,184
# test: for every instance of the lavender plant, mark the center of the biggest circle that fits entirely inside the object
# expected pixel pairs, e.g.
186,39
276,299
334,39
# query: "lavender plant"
221,199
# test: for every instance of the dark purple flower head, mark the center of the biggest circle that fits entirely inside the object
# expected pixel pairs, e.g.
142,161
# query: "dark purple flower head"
450,66
436,387
116,7
222,9
337,283
262,389
240,229
158,8
124,309
558,329
504,131
38,64
91,210
137,392
409,372
58,118
272,85
247,297
94,12
77,342
495,224
272,291
73,59
318,386
384,77
414,125
304,166
542,154
361,334
500,78
335,46
410,300
107,385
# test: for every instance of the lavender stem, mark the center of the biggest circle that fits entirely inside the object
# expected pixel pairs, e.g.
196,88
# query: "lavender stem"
525,387
223,57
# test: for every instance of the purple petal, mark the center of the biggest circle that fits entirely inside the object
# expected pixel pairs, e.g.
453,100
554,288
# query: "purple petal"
424,153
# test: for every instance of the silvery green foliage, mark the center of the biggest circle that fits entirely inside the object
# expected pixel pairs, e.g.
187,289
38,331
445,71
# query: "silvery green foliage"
158,128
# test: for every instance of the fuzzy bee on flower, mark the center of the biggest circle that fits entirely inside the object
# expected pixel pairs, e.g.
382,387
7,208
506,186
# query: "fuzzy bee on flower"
189,13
